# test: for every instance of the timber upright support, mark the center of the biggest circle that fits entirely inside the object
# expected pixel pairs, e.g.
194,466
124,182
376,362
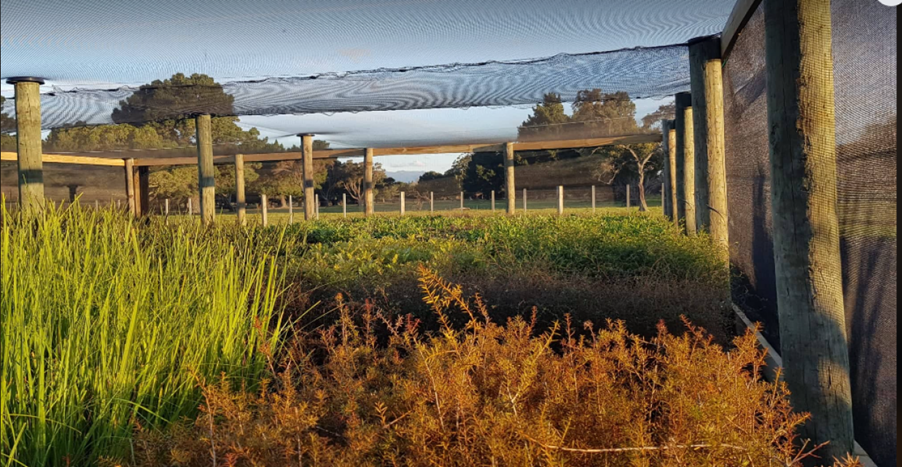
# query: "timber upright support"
665,172
309,191
206,182
403,210
368,185
510,186
685,161
28,142
710,154
560,200
802,140
493,200
672,164
240,198
593,199
130,187
142,198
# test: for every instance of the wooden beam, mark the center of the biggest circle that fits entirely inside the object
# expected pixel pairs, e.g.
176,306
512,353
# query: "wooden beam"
10,156
739,17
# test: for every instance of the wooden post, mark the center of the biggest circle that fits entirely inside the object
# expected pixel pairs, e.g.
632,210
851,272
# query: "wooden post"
344,204
240,199
402,203
802,140
28,142
190,208
264,207
672,172
97,205
166,207
710,158
130,186
560,200
524,200
493,200
142,178
627,197
461,201
665,172
685,161
316,203
290,210
309,192
593,199
431,202
205,170
510,186
369,197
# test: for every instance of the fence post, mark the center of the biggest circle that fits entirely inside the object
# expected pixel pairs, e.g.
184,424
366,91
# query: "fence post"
205,170
369,197
431,202
593,199
240,198
493,200
130,185
705,60
190,208
802,140
97,205
142,187
461,201
524,200
672,164
686,160
307,164
627,197
166,207
402,203
290,210
317,206
28,142
510,186
344,204
665,172
560,200
264,209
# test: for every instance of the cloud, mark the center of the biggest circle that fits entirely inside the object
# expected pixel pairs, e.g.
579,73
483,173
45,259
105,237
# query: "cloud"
419,164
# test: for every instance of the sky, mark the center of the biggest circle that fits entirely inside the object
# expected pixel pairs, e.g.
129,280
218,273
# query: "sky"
98,44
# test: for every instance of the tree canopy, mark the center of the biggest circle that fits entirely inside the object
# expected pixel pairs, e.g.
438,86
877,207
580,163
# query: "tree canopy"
178,97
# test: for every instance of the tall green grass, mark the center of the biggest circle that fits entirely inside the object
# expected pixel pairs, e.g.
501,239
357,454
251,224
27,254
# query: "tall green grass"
107,326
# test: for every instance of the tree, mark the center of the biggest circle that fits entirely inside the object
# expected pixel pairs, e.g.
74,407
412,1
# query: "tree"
351,175
652,121
287,177
603,114
431,175
631,164
178,97
548,120
484,172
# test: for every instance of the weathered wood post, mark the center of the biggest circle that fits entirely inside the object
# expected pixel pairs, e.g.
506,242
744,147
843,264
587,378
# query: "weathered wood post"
142,197
97,205
402,203
240,198
166,208
627,197
130,186
560,200
190,208
461,201
710,155
369,197
290,210
431,202
524,200
317,207
593,199
28,142
685,160
802,140
510,187
665,172
205,179
672,171
264,210
493,200
307,162
344,204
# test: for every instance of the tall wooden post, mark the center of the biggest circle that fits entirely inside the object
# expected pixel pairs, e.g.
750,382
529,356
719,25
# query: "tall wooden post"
560,200
190,208
524,200
344,205
461,201
130,187
431,202
493,200
627,197
317,207
368,185
685,157
28,142
206,182
510,187
665,172
166,208
710,159
671,156
290,210
593,199
309,191
142,198
801,123
240,198
264,212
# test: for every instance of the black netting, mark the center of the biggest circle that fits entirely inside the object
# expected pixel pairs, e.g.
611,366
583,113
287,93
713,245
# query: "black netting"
864,48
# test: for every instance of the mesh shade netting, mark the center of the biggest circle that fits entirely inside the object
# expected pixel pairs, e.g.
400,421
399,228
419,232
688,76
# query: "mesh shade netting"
864,49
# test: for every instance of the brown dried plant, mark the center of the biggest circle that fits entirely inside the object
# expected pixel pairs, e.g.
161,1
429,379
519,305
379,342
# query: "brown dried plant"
370,390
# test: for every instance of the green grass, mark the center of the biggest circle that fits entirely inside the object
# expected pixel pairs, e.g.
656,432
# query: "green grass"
108,325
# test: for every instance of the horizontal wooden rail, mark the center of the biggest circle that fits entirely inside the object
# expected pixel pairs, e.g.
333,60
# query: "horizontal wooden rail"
353,152
742,12
68,159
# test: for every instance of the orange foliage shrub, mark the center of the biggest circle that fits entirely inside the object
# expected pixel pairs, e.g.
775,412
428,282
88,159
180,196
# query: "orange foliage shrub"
492,395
